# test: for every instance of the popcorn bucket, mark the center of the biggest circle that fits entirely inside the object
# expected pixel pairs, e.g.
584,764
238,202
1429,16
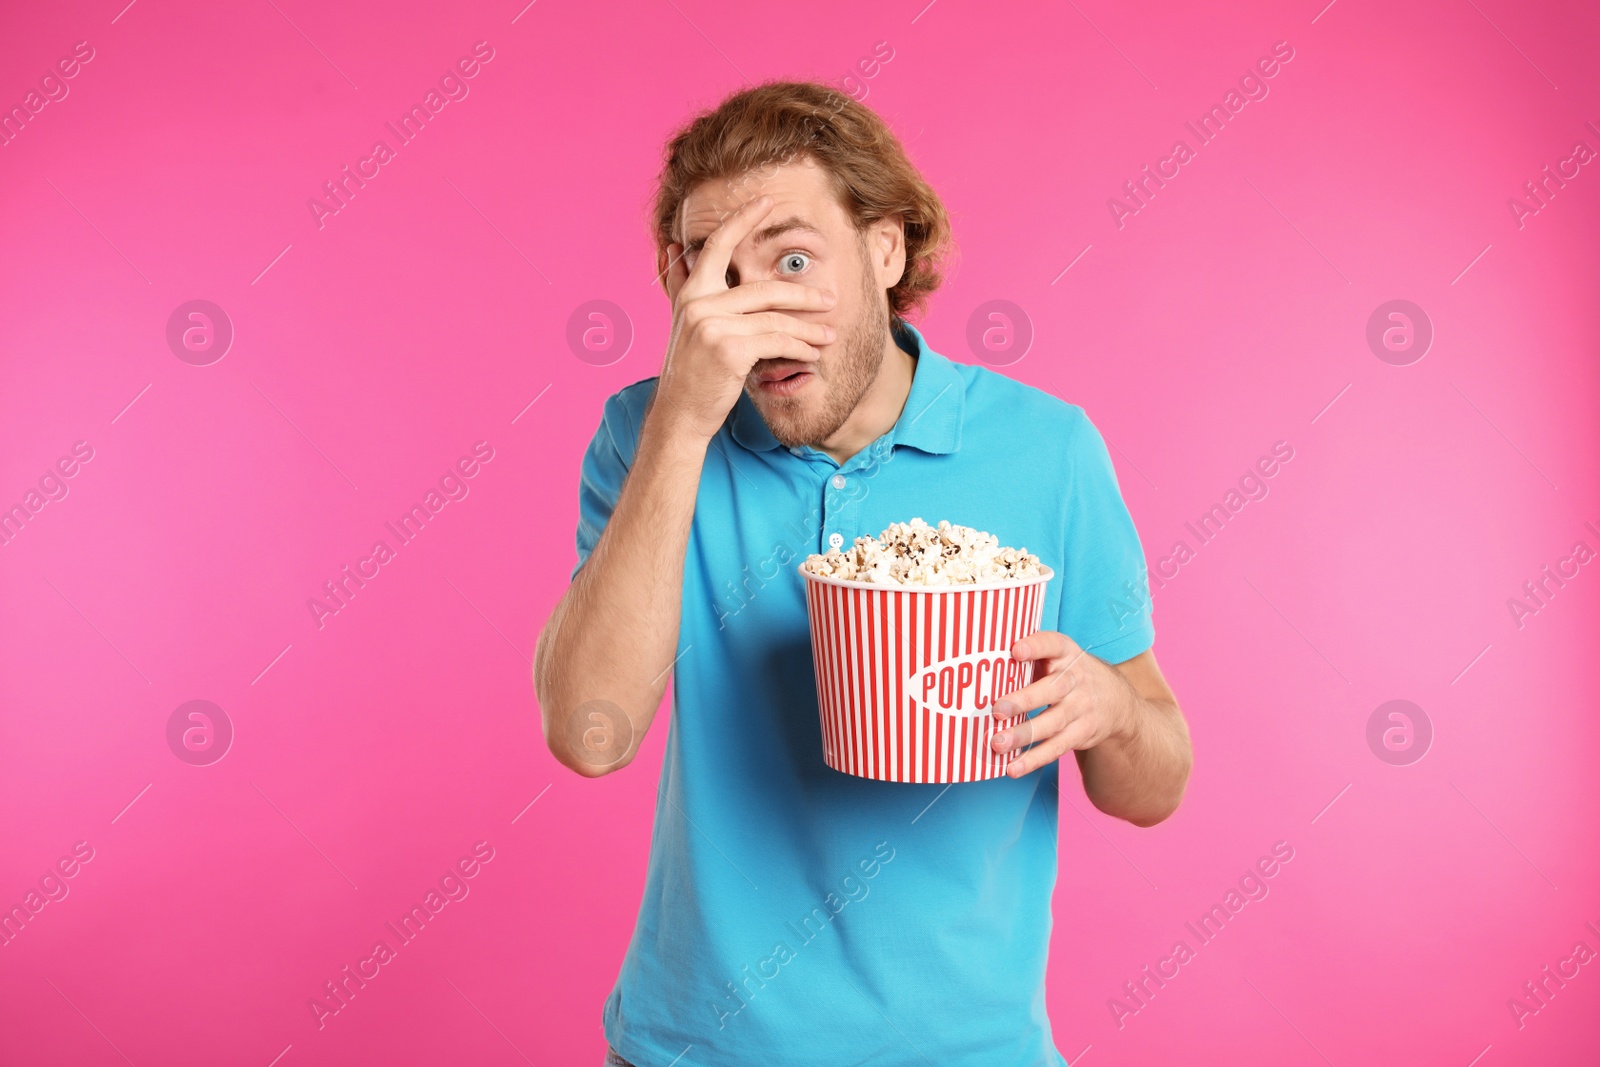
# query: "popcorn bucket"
907,674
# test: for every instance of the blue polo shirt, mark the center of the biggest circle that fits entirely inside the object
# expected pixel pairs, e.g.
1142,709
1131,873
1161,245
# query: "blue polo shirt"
795,915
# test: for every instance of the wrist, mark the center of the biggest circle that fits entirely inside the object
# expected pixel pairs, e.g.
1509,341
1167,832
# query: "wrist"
667,426
1131,711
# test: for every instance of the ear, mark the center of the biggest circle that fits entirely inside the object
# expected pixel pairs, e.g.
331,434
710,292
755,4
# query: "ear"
887,244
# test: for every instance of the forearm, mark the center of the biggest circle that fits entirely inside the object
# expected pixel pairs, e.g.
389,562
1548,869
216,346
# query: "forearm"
614,634
1139,773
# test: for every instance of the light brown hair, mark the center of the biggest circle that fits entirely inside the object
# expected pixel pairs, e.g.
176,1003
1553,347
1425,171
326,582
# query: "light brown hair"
756,130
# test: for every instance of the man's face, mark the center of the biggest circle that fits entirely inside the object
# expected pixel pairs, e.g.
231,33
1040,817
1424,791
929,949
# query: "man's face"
818,245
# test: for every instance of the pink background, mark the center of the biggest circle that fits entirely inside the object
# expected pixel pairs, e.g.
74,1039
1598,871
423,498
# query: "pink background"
372,753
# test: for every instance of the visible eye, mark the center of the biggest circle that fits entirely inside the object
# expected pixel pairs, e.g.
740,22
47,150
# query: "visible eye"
789,259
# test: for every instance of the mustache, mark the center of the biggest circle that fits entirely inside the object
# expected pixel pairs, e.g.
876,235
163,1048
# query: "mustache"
782,368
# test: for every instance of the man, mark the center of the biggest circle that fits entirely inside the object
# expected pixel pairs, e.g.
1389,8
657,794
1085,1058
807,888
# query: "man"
793,914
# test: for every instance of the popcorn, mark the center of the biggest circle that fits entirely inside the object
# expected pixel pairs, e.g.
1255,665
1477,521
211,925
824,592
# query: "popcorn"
914,553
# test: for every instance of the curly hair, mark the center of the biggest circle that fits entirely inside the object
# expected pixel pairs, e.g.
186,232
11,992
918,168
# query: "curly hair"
756,130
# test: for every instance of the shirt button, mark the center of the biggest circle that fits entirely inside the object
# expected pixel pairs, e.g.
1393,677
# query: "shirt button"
838,481
835,540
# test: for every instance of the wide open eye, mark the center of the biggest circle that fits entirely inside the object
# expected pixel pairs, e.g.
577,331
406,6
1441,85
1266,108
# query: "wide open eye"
789,258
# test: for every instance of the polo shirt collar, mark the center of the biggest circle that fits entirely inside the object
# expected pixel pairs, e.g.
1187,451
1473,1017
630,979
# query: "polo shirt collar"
930,421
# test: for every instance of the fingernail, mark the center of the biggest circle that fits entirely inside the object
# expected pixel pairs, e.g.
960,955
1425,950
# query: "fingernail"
829,298
1001,742
1004,708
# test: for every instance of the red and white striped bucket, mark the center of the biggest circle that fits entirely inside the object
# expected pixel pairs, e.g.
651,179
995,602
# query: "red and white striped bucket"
907,675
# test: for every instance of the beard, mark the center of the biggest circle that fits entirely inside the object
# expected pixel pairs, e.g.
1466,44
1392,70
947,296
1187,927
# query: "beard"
811,420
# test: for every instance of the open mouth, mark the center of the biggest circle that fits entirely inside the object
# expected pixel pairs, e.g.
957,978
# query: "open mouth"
783,380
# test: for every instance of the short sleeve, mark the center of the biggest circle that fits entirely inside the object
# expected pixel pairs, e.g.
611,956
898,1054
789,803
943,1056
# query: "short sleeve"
605,466
1105,590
